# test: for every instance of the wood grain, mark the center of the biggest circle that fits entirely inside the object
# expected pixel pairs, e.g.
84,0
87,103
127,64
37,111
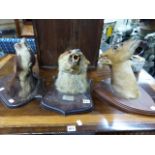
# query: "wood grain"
103,119
55,36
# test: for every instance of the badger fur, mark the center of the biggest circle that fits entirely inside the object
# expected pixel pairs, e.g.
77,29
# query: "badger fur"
72,75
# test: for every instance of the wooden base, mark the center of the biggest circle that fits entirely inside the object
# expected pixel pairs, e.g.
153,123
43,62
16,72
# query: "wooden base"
67,103
142,105
15,102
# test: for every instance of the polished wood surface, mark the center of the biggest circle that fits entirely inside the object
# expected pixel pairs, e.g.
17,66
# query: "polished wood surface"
103,119
54,36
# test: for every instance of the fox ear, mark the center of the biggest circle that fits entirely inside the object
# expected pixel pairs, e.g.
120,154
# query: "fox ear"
107,53
63,54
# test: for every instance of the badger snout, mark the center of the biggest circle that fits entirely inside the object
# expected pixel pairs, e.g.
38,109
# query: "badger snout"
75,58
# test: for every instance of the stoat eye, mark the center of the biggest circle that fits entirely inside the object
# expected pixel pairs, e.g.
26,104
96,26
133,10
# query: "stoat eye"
18,45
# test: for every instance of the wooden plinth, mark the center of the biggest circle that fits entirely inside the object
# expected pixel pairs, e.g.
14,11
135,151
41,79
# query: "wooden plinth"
67,103
16,101
142,105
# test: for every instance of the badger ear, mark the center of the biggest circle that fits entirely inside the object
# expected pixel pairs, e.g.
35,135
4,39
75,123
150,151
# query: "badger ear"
86,61
63,54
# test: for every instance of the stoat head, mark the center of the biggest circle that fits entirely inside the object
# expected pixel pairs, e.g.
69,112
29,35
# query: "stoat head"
21,47
73,61
24,56
119,53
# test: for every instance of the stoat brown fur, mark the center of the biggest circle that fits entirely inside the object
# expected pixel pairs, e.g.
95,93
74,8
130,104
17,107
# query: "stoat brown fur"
23,81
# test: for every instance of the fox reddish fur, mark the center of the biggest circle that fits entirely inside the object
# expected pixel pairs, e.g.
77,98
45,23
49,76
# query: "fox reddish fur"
123,79
72,75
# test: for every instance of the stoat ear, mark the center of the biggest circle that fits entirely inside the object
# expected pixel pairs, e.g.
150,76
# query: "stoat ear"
17,46
23,40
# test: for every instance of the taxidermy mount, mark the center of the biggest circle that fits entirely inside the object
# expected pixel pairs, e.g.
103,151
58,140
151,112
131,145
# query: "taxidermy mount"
123,79
72,75
71,92
23,82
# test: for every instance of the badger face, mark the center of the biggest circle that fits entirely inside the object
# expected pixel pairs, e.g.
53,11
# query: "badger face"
73,62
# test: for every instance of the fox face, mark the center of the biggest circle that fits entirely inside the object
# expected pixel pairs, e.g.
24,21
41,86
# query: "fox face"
122,53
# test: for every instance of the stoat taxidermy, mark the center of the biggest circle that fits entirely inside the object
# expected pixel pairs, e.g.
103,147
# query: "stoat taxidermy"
23,82
123,79
72,75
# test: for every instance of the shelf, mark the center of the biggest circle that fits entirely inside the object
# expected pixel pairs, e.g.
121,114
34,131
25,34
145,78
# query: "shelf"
103,119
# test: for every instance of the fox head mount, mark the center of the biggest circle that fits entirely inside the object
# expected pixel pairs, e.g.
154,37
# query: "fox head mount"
123,79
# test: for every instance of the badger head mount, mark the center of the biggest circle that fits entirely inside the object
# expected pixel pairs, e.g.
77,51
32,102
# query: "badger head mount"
71,91
72,75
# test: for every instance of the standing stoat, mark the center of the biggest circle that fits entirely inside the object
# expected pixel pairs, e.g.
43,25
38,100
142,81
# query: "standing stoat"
123,79
72,75
23,82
